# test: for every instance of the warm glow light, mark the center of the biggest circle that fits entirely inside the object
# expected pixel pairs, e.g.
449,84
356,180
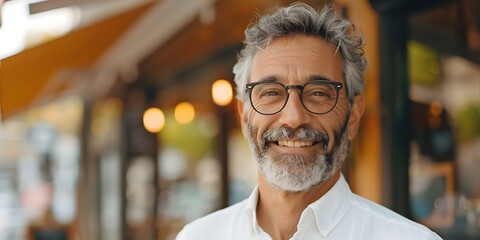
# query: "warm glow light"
222,92
153,120
184,112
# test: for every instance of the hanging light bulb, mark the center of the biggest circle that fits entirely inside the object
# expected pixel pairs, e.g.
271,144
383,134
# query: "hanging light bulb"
222,92
184,112
153,120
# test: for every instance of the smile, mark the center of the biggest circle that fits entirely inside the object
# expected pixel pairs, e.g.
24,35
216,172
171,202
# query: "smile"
295,144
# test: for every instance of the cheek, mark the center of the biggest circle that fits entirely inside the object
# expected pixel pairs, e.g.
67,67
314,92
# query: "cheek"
342,102
334,119
333,122
253,126
259,123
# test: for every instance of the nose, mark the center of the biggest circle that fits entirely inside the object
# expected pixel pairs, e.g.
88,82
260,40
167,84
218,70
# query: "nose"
294,114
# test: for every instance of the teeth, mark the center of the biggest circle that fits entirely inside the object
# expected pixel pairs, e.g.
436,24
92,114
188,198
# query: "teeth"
295,144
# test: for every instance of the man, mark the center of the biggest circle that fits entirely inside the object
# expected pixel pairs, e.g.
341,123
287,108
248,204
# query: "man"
299,81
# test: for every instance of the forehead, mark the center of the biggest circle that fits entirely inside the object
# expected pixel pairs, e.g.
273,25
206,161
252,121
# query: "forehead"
297,58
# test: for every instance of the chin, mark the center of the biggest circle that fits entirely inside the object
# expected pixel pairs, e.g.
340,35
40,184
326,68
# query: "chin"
292,174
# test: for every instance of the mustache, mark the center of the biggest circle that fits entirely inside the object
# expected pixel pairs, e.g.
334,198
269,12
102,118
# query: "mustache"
303,134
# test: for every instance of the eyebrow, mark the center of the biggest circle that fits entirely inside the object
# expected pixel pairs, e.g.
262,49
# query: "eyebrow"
270,78
320,77
275,78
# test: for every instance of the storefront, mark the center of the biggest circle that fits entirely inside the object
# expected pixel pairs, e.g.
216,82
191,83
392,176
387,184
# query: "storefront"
40,168
430,86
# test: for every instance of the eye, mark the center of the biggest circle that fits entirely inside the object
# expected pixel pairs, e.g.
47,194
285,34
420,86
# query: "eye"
320,94
270,92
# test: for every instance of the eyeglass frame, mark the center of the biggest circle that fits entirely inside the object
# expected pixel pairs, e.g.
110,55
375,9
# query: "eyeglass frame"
336,85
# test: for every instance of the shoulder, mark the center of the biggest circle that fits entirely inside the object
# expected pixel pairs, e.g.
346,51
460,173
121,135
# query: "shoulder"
386,222
216,225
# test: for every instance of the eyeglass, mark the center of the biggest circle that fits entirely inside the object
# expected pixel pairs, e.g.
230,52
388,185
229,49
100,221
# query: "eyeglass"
318,97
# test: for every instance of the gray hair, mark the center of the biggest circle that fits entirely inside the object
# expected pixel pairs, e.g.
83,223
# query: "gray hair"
300,18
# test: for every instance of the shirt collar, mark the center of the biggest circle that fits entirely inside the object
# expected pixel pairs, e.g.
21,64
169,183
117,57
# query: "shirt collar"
332,206
328,210
251,210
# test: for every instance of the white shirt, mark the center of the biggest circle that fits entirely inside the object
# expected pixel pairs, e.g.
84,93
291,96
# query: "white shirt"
339,214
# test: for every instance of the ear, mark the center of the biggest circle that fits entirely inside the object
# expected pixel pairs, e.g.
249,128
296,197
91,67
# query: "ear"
243,117
356,112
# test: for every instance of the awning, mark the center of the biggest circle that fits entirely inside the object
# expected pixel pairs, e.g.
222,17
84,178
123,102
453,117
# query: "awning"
24,75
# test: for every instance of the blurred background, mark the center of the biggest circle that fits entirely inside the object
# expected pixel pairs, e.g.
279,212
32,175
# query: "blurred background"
118,117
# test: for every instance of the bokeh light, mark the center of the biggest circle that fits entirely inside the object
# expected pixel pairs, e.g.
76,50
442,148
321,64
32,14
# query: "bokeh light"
222,92
153,120
184,112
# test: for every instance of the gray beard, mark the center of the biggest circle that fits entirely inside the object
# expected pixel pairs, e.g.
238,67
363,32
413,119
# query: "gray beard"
294,172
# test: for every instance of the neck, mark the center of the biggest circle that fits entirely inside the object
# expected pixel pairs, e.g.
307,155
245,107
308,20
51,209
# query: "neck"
278,212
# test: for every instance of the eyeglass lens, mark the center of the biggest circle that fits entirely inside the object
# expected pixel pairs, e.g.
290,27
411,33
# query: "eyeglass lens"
271,97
